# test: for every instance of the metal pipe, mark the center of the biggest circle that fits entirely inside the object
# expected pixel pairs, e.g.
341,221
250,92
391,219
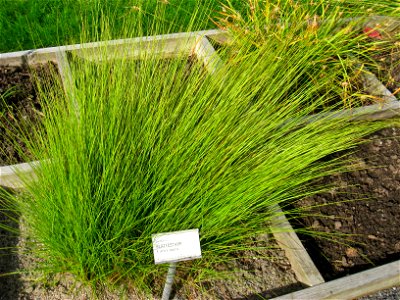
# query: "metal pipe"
169,281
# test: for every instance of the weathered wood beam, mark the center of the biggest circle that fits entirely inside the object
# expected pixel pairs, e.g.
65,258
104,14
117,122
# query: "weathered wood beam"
16,176
301,262
168,45
352,286
67,80
375,88
206,53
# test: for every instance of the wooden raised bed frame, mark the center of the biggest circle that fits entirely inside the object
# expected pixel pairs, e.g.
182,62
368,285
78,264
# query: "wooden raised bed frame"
198,45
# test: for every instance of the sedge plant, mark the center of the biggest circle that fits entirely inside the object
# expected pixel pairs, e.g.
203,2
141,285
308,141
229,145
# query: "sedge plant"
130,148
345,25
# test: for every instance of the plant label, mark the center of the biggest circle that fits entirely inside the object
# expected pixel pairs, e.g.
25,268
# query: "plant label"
176,246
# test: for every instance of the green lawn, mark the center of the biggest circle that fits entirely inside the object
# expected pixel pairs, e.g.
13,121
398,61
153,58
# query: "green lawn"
28,24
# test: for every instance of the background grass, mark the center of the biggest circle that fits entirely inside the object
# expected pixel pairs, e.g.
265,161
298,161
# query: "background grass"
28,24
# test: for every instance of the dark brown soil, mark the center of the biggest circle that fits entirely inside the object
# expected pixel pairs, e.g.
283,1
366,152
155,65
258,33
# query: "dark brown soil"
258,274
9,261
367,210
19,105
388,63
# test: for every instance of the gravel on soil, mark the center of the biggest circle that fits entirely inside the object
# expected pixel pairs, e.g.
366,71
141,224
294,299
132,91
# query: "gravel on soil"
388,294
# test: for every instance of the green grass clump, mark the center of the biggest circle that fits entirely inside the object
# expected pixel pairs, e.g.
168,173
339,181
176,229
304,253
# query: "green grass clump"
141,147
340,25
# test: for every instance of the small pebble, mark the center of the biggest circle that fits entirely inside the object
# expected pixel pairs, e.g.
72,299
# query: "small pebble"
397,246
344,261
315,224
351,252
338,225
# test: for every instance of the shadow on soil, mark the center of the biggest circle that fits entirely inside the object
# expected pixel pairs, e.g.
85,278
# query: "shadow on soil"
10,285
274,292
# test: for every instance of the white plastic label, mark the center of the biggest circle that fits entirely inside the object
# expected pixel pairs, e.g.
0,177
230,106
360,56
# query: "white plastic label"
176,246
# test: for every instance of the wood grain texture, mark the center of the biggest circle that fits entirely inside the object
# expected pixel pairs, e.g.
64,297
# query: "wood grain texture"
18,58
16,176
168,45
301,262
206,53
375,88
353,286
67,80
64,69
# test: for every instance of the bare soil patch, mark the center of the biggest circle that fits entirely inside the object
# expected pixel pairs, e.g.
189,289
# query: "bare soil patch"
364,205
19,106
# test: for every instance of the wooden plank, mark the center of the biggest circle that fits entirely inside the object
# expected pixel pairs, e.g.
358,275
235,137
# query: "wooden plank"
67,79
114,49
167,45
375,111
353,286
165,48
64,69
370,112
221,37
301,262
375,88
206,53
16,176
18,58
